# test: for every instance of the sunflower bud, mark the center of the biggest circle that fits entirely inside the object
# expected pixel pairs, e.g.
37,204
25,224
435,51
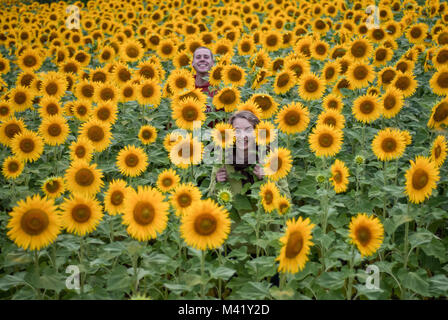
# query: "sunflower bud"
224,196
320,178
359,159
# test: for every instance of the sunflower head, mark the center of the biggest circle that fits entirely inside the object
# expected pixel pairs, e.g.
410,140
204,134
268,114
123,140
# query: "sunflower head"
367,233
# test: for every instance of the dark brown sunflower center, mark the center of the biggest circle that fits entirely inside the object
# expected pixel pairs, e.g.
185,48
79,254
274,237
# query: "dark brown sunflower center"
167,49
117,198
30,61
20,98
103,113
441,112
378,34
416,32
389,145
26,80
54,129
337,177
292,118
128,92
107,94
264,103
167,182
147,72
52,109
311,85
184,200
131,160
380,54
205,224
81,213
402,66
144,213
34,222
217,73
13,167
84,177
272,40
11,130
294,245
388,76
190,113
95,133
329,73
437,152
184,60
366,107
246,47
235,75
87,90
132,52
420,179
283,80
227,97
442,80
268,197
99,76
360,72
146,134
389,102
106,55
330,121
333,104
442,56
358,49
27,145
321,49
363,235
80,151
325,140
51,88
124,75
222,49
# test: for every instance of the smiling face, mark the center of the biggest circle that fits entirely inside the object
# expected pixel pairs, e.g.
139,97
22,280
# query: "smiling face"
244,131
202,61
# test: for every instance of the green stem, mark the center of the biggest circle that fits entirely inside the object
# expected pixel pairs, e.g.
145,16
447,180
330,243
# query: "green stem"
282,280
350,279
36,264
202,274
134,266
220,281
385,194
111,227
406,248
81,261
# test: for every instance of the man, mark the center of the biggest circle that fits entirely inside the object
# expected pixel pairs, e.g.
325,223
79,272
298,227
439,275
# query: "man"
202,62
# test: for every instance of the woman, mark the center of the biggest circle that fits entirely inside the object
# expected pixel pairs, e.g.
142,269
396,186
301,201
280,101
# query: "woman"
244,169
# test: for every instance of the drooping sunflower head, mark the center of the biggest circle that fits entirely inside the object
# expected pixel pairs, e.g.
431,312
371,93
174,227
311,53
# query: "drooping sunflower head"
34,223
339,176
296,245
366,233
439,150
421,179
132,161
439,81
439,114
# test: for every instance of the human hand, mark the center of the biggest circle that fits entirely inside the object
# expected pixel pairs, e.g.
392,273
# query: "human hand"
221,175
258,171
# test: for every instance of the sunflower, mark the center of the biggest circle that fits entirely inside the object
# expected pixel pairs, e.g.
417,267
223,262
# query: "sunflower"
407,84
85,90
342,83
206,225
107,54
106,92
34,223
265,103
386,76
132,161
284,81
4,65
21,98
227,98
331,71
407,137
29,60
105,112
378,35
325,140
121,74
188,112
366,233
222,46
261,59
392,102
148,70
421,179
333,102
145,213
53,84
188,151
320,50
417,33
81,214
296,245
332,118
49,107
171,139
53,187
388,144
266,133
6,111
82,109
148,92
311,87
115,197
339,176
9,129
81,149
360,74
260,78
439,150
283,205
366,108
182,59
382,55
223,135
83,178
167,49
131,50
27,146
233,75
293,118
439,81
98,133
269,195
147,134
184,196
298,66
12,167
216,74
246,46
278,163
54,130
271,40
167,180
360,49
180,80
439,114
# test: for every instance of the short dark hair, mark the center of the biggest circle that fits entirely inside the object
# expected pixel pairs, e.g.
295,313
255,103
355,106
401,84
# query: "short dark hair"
245,114
211,53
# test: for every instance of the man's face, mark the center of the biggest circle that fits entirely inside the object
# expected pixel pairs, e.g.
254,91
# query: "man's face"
244,133
202,61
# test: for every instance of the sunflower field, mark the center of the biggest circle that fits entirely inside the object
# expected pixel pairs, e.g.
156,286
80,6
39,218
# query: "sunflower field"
98,103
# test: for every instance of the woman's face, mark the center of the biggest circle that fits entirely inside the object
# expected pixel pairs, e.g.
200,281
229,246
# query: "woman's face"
244,133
